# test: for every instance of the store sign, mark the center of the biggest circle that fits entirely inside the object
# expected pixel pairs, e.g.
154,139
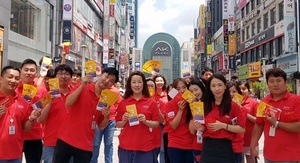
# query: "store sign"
279,28
131,34
225,9
243,72
287,63
67,31
161,49
232,62
105,51
254,70
290,34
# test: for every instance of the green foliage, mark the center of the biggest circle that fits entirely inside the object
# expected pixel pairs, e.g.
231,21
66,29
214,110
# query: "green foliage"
260,88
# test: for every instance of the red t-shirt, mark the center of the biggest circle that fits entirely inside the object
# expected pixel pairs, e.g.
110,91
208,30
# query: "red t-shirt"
250,105
113,108
196,146
36,132
215,114
56,116
76,129
238,139
163,97
284,146
180,137
11,146
138,137
157,131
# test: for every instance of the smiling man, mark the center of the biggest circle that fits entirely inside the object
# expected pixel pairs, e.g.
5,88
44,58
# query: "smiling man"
75,137
282,133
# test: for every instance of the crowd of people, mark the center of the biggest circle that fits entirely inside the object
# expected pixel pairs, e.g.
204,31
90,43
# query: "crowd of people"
154,127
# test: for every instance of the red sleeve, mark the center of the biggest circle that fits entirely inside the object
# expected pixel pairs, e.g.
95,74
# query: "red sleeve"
155,112
120,110
240,114
170,111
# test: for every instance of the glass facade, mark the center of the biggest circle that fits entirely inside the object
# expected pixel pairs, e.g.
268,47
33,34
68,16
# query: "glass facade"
169,63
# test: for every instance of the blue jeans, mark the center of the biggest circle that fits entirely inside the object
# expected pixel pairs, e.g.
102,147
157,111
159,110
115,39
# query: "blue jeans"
108,134
11,161
48,154
180,155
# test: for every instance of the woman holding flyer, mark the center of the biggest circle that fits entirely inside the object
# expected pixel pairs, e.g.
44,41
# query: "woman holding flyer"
250,106
197,87
137,115
219,114
178,116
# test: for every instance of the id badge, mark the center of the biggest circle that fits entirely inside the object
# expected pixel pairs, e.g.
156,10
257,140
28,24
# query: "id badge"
272,131
199,137
12,130
93,125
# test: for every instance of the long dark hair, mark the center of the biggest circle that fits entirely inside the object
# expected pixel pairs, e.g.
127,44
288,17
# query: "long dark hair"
209,98
128,89
236,86
189,112
201,83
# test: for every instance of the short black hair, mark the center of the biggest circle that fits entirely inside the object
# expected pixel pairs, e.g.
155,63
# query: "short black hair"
76,72
63,67
41,60
112,71
207,69
5,68
50,73
28,61
276,72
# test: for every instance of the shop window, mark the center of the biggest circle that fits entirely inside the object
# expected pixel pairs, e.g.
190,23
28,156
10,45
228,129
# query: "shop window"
266,20
273,16
258,25
280,6
23,18
253,29
258,2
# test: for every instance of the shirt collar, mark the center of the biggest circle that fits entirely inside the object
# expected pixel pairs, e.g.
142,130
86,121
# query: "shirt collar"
270,97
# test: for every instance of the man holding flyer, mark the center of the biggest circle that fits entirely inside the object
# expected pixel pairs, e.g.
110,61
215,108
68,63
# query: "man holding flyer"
14,116
82,118
280,122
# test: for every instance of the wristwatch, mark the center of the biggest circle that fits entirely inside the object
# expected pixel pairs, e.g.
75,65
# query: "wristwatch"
276,124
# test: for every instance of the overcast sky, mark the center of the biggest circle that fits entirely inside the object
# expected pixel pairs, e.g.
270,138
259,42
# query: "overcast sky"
175,17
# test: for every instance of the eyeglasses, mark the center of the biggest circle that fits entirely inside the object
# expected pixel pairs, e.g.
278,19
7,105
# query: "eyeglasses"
63,74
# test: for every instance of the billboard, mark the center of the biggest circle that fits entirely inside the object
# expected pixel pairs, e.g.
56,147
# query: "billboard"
161,48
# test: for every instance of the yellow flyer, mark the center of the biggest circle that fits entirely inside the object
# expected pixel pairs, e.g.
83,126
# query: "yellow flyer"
46,63
28,92
237,98
188,96
42,103
197,109
90,68
133,119
262,108
151,91
107,98
54,87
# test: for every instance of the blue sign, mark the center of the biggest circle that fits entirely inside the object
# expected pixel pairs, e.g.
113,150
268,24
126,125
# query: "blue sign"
67,31
287,63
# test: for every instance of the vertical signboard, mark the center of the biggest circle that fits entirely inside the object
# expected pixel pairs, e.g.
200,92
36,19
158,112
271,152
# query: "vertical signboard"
290,26
105,50
67,20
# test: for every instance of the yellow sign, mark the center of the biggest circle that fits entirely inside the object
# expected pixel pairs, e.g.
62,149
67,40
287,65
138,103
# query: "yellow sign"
231,44
202,16
208,49
254,70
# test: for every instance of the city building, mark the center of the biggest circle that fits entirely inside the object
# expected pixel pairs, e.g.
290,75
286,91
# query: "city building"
165,48
187,59
28,30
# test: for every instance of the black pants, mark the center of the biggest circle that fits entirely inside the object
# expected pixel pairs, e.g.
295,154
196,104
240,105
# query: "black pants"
33,150
63,152
165,137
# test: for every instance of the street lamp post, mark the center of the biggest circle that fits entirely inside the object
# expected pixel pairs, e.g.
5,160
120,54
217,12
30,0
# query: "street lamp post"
264,69
83,47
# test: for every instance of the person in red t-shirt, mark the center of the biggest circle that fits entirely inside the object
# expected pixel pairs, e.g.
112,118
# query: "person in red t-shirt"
197,87
157,132
238,140
76,79
178,115
54,113
137,115
281,126
76,133
250,106
14,118
220,114
33,145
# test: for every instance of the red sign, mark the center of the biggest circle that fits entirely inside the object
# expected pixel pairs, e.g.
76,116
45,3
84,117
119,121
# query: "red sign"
221,62
112,10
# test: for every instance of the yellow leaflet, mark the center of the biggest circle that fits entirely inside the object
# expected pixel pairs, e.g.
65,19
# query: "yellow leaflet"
47,61
261,109
237,98
131,109
152,65
197,108
90,66
151,91
188,96
109,97
29,91
54,84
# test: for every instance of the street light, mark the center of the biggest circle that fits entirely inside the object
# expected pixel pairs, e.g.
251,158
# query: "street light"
83,47
264,69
